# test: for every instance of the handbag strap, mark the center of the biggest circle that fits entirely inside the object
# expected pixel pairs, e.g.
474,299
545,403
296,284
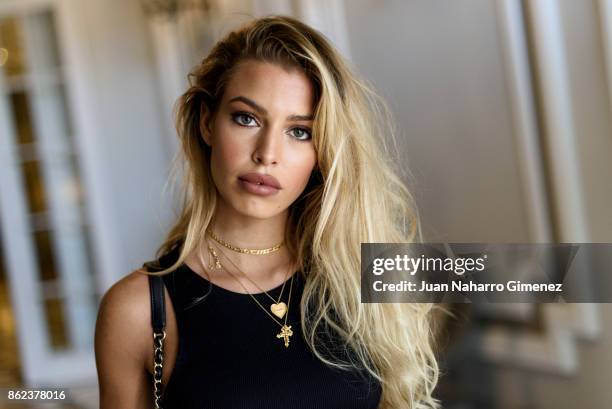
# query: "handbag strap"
158,322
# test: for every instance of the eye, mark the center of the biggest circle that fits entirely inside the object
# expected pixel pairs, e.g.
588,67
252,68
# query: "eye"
243,119
303,134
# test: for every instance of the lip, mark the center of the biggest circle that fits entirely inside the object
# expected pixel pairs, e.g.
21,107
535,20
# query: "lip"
259,183
260,179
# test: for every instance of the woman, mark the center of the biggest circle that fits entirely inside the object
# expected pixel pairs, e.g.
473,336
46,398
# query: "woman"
285,176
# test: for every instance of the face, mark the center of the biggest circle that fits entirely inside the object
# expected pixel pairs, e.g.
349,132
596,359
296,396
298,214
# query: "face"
262,153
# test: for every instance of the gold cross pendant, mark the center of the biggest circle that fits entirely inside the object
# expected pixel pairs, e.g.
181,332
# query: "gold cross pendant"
285,333
216,257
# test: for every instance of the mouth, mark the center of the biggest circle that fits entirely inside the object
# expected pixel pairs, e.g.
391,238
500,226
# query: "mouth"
260,179
259,184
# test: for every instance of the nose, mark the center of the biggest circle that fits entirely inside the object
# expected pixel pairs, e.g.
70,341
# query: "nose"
268,150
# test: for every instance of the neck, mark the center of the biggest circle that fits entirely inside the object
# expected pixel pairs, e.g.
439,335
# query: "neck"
249,232
253,233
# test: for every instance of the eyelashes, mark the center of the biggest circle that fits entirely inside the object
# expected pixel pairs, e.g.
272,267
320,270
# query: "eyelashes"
237,115
247,120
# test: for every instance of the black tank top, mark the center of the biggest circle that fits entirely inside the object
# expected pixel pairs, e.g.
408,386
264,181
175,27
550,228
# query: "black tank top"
229,355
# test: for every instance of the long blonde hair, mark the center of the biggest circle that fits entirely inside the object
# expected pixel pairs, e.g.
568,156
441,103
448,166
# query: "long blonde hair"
353,196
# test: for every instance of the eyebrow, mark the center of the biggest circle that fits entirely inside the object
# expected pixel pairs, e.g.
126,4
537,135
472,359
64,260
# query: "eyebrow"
264,111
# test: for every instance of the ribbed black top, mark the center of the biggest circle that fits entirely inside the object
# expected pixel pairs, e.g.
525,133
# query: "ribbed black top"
229,355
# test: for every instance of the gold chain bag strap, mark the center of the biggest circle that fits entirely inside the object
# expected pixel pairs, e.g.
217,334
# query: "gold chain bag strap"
158,322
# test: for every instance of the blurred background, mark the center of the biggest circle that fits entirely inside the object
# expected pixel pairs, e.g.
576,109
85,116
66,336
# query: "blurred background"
504,113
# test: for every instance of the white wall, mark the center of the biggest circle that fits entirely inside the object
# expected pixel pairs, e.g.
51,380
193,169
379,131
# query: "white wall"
130,147
590,386
441,67
587,69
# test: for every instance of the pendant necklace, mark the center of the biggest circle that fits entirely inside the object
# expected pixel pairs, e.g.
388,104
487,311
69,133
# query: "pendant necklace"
278,307
286,331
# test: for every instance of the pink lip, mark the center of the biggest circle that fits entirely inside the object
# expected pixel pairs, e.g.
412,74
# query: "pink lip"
259,184
260,179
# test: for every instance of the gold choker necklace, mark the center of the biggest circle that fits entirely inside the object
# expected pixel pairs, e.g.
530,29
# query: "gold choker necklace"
244,250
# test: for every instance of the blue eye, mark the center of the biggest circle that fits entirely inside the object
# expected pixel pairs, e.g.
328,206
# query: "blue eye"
303,132
236,117
244,119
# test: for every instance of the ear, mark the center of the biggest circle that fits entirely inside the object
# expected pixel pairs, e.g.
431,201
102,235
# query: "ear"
205,126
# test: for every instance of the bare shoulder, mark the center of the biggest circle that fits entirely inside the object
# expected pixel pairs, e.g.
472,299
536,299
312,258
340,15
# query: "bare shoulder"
127,299
122,342
131,289
125,312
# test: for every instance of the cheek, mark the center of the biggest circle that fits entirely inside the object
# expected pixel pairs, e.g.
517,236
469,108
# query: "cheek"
227,156
301,173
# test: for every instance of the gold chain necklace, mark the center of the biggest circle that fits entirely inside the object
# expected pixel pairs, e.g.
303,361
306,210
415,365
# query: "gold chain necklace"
244,250
278,308
286,331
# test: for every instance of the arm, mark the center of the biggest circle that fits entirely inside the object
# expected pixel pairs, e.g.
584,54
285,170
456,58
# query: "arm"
121,342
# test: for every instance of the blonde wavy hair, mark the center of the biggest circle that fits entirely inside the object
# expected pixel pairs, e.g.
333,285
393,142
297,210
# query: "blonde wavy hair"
353,196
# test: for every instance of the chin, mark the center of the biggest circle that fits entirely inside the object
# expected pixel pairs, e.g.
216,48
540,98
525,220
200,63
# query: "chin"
248,205
260,213
257,208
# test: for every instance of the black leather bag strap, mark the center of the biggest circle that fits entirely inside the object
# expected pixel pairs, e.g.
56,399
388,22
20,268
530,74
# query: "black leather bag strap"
158,322
158,306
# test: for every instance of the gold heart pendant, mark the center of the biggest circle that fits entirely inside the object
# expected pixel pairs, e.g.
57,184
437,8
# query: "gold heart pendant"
279,309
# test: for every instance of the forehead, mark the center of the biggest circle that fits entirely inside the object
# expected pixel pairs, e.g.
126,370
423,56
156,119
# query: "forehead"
272,86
